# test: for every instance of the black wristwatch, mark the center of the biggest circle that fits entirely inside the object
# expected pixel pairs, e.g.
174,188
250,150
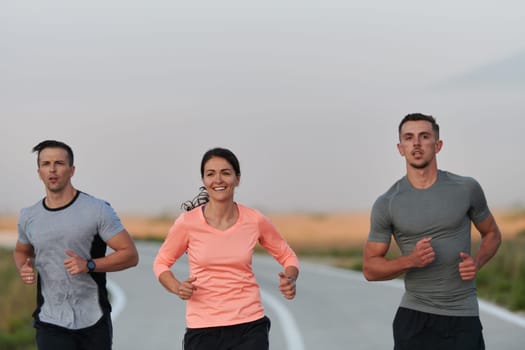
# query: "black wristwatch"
91,265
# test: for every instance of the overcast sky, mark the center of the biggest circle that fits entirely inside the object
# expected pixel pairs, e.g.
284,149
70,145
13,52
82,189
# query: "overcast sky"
308,94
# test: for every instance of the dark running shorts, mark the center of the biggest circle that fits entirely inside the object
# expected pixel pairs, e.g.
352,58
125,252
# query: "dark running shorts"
415,330
97,337
244,336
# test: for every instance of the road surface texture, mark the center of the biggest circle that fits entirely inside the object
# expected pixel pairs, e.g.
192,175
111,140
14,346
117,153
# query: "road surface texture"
334,309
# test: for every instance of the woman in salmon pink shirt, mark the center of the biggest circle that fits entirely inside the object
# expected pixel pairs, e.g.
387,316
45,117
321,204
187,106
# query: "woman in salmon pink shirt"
223,302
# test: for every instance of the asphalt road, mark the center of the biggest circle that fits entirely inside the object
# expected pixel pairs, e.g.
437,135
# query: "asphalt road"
334,309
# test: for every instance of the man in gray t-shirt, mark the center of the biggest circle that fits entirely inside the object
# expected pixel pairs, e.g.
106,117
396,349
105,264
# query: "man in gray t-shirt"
429,213
65,236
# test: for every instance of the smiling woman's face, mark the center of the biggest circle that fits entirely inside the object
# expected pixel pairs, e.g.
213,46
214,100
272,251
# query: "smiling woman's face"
220,179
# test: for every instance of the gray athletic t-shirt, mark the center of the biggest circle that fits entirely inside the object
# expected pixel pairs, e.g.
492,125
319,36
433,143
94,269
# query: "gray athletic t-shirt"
82,226
444,212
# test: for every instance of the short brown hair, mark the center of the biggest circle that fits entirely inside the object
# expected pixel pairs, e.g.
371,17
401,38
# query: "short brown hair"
54,144
420,116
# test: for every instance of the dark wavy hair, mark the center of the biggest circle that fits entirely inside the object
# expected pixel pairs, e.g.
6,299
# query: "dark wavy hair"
53,144
419,116
203,197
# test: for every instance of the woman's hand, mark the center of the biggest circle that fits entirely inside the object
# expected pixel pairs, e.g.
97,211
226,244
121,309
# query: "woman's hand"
186,288
287,285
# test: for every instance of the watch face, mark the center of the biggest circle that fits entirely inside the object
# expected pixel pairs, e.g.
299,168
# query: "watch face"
91,265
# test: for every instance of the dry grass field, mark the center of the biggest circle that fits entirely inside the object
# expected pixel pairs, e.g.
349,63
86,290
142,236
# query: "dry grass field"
301,230
315,230
340,230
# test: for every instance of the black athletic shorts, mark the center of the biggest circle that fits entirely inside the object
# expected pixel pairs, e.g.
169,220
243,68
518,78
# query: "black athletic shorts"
244,336
415,330
97,337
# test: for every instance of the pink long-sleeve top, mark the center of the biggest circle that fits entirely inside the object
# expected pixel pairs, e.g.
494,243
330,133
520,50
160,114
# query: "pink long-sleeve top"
227,292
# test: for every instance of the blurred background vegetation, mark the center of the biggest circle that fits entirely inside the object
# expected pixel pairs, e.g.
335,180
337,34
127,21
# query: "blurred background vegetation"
502,280
17,303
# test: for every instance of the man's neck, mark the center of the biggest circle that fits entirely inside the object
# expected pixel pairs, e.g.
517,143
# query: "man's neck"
422,178
60,199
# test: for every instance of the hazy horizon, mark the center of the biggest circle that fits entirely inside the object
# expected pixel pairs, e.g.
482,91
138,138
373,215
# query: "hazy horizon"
308,95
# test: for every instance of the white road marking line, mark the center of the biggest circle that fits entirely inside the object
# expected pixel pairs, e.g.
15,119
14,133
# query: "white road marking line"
118,298
292,334
502,313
